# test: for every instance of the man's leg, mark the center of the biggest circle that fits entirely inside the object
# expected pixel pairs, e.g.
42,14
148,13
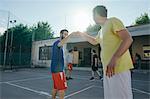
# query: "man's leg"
67,75
140,64
92,73
62,85
54,93
61,94
54,90
66,70
98,73
92,78
71,66
100,76
70,72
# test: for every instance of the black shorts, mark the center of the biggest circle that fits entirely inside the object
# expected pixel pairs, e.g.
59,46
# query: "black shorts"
94,68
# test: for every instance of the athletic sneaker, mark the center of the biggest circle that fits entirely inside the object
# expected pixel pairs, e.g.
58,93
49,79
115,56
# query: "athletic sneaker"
70,78
100,77
92,78
67,78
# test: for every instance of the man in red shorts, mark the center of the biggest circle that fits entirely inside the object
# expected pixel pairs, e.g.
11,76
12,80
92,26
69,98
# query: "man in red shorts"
57,66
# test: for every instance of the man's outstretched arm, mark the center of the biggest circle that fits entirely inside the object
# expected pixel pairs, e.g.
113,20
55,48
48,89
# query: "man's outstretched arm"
89,38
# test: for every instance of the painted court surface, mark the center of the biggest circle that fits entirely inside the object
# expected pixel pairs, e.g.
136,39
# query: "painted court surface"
37,84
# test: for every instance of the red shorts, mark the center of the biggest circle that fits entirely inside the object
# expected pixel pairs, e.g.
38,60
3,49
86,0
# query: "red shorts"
70,66
59,81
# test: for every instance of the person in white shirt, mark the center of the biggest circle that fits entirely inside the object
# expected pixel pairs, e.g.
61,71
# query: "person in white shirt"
69,60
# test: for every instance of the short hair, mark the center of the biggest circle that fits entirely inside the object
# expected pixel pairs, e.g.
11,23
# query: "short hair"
63,30
94,51
70,50
100,10
75,49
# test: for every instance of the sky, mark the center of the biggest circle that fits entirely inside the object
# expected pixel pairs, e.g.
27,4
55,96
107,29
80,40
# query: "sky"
74,15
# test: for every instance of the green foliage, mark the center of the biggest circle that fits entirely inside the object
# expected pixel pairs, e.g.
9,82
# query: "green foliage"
21,36
22,41
143,19
42,31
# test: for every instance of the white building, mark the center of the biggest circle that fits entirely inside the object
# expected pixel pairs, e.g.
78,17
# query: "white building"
41,50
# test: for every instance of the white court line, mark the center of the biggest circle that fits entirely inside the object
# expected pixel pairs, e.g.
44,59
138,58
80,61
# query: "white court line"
28,79
24,79
31,90
77,92
77,77
82,76
144,92
141,81
86,78
1,82
98,86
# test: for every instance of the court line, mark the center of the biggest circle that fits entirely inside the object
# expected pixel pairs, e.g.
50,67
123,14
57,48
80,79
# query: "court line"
29,89
141,91
77,77
77,92
134,89
24,79
98,86
141,81
86,78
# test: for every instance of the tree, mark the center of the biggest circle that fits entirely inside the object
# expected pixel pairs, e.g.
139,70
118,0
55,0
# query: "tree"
93,28
21,46
143,19
42,31
22,42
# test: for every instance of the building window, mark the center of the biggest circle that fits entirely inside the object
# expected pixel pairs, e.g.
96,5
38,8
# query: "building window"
146,49
45,53
80,55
